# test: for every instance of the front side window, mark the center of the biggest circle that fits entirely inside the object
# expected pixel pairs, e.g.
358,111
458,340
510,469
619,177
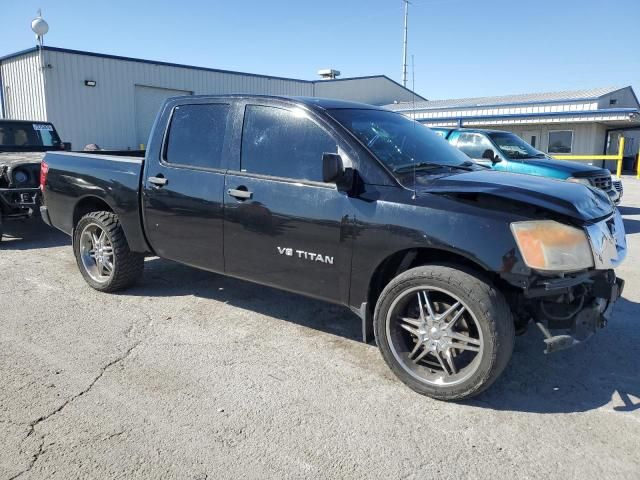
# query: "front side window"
513,147
474,145
196,135
283,143
560,141
397,141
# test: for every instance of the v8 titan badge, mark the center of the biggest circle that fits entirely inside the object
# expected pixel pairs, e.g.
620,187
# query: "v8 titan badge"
312,257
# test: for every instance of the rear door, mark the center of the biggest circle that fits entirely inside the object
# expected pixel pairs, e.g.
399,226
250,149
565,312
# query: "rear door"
184,183
284,226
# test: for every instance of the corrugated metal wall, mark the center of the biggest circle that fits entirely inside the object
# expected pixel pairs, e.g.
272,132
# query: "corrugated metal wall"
105,114
376,90
22,88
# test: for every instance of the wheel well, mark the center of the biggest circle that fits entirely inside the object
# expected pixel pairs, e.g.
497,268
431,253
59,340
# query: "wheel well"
88,205
404,260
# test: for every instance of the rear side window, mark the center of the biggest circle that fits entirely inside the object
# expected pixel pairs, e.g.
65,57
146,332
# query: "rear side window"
283,143
196,135
23,134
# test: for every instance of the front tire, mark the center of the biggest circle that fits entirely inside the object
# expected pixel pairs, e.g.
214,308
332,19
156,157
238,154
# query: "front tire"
102,253
445,333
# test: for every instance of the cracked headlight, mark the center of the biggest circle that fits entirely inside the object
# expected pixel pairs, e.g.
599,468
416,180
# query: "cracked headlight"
551,246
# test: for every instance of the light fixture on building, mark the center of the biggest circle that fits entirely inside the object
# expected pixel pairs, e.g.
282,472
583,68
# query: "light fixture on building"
90,83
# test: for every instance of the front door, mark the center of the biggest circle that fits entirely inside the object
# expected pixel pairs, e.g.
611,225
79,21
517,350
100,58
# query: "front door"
183,188
283,226
532,137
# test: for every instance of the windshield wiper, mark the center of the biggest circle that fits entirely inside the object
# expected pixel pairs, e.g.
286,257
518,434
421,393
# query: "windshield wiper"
431,166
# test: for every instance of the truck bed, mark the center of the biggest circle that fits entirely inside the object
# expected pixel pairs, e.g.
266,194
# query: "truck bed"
77,180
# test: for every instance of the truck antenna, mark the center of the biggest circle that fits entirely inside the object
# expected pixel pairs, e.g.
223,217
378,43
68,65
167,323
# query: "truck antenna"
413,114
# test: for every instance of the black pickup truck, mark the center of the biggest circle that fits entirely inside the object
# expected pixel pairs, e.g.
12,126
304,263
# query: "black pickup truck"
444,261
22,146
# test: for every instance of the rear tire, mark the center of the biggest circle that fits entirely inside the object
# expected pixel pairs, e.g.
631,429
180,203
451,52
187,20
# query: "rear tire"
102,253
445,333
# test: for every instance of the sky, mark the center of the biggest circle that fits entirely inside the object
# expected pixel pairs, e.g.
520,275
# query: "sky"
460,48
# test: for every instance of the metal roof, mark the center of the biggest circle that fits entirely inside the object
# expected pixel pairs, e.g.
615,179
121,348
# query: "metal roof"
169,64
519,99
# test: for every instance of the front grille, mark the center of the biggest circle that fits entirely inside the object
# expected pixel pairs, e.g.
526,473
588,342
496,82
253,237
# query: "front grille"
602,182
618,186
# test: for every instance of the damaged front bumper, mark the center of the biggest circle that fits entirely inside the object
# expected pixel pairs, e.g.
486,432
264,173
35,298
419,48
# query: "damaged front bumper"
575,306
573,316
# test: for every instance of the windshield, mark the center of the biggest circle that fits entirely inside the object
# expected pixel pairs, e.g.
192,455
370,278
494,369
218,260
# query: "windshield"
26,134
397,141
514,147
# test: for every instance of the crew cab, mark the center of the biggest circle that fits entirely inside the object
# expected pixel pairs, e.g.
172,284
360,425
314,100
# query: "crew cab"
22,146
442,260
507,152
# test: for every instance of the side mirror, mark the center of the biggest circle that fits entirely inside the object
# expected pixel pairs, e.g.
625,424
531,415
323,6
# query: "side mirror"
333,171
490,155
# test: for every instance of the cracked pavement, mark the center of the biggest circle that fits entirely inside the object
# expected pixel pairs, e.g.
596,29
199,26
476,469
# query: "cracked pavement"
194,375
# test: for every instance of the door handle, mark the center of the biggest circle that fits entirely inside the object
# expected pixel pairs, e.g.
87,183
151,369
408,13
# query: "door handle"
158,181
240,194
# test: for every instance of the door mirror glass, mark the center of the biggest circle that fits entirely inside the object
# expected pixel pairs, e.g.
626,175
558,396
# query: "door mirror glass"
332,167
333,171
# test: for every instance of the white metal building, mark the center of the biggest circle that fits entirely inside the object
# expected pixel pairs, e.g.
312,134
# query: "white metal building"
112,101
568,122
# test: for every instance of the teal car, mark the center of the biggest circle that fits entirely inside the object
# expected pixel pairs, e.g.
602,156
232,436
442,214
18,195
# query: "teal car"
506,151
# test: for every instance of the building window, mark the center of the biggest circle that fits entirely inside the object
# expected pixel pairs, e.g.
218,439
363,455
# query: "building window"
613,101
560,141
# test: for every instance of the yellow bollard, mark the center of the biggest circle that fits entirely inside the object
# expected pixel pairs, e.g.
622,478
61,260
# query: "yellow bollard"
142,146
638,165
620,156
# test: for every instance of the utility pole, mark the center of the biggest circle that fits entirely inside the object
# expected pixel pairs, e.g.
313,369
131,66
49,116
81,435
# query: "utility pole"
404,49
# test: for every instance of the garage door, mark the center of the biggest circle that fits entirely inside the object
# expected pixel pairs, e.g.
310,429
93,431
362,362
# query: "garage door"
148,101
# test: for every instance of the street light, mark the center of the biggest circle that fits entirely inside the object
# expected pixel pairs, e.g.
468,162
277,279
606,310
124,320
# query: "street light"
40,27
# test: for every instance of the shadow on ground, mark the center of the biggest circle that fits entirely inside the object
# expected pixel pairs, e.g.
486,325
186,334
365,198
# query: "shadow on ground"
583,378
631,226
31,233
163,278
629,210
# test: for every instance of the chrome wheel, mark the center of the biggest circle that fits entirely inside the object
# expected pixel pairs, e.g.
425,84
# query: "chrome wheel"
434,336
96,253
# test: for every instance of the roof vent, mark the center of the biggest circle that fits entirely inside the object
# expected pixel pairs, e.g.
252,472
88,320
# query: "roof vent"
328,73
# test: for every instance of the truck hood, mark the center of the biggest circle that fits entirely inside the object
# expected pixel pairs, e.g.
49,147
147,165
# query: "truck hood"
570,168
20,158
573,200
